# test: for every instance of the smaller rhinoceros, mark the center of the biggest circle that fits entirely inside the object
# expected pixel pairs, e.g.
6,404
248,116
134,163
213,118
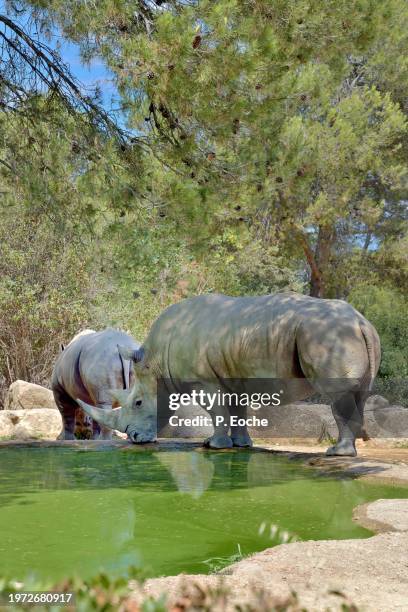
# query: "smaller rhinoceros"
88,368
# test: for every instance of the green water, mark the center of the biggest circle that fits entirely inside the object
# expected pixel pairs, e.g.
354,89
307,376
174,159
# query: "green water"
68,511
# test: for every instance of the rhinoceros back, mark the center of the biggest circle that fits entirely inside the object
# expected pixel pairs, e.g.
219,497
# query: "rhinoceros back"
285,335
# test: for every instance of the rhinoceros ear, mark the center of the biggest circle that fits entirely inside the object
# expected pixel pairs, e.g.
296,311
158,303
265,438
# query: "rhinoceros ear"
131,354
119,396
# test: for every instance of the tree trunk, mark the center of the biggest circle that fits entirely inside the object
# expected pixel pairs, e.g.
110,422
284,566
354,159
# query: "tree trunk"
319,260
316,285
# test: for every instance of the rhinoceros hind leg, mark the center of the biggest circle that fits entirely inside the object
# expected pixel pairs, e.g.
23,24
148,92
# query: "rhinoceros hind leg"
218,441
344,448
348,414
67,408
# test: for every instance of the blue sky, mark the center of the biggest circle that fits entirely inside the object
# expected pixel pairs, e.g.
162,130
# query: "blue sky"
90,75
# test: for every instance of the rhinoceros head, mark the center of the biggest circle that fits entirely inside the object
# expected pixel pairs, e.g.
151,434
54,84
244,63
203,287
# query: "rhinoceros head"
137,415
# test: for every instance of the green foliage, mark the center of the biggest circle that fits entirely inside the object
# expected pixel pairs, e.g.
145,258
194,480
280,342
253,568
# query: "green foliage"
148,266
387,309
98,593
61,185
291,112
44,257
40,301
215,564
275,149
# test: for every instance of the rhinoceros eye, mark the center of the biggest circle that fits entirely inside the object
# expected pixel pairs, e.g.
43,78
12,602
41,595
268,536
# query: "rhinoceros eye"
138,402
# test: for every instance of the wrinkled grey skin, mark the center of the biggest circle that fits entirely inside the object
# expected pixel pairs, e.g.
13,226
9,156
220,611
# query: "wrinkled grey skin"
318,345
88,368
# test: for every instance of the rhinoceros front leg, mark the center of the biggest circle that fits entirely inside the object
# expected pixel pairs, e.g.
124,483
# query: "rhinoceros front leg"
100,432
220,418
239,433
348,415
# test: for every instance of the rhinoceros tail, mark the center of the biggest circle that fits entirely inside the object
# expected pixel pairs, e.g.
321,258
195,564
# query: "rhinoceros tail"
125,371
372,342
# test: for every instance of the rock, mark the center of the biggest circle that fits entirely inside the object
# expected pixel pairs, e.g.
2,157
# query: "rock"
294,420
37,423
300,420
383,515
23,395
303,420
375,402
387,422
185,431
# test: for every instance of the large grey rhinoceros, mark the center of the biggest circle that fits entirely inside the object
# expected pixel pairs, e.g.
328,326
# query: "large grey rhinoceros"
89,367
312,344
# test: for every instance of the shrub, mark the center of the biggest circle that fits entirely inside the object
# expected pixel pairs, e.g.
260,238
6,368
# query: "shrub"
387,309
43,296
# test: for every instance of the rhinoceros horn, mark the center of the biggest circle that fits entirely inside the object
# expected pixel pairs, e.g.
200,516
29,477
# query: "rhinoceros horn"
109,418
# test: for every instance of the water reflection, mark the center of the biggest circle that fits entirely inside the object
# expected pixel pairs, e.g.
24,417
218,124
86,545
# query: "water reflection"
64,511
192,472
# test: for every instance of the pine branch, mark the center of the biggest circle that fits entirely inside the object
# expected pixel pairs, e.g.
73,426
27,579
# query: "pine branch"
47,72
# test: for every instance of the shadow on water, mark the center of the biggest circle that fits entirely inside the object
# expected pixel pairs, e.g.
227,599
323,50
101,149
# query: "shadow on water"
64,511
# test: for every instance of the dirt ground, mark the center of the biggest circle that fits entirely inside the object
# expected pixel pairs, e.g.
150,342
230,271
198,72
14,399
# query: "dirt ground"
390,450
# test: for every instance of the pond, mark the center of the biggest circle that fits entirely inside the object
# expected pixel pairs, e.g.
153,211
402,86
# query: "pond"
70,511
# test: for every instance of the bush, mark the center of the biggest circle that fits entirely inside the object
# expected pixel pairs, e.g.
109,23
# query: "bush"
43,296
146,268
387,310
